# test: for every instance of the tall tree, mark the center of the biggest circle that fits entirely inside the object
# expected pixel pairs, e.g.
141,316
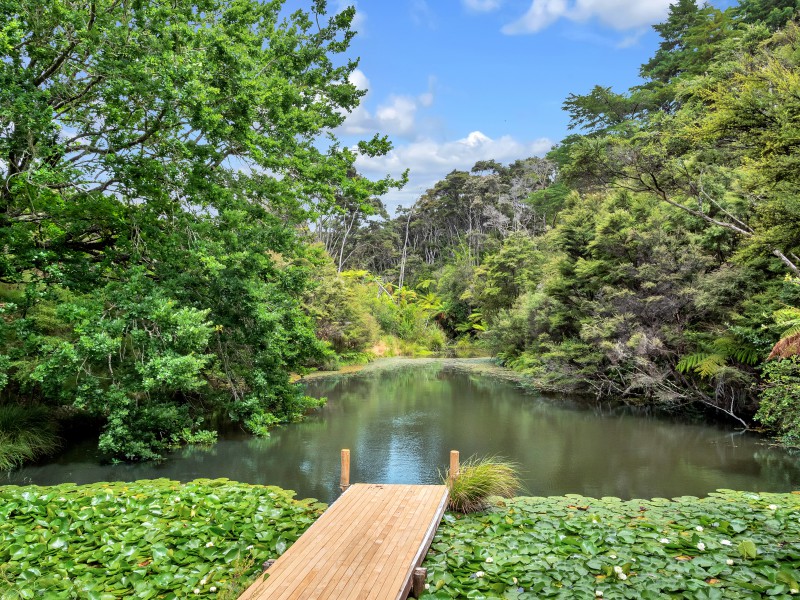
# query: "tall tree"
155,160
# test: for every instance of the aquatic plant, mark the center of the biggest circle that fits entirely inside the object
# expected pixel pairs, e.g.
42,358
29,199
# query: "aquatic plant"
147,539
728,545
479,479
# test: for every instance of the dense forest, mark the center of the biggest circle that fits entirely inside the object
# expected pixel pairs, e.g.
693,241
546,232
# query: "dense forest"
652,256
181,231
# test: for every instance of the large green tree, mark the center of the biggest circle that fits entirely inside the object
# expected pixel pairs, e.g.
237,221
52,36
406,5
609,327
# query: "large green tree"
155,160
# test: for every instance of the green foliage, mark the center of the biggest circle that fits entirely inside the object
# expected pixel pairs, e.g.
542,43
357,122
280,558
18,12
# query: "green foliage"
729,545
150,209
478,479
780,409
147,539
339,305
26,433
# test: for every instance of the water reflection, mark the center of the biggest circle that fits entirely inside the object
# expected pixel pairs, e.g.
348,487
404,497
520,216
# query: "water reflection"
400,425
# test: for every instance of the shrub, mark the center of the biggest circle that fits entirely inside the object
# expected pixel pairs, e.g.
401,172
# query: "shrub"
780,409
480,478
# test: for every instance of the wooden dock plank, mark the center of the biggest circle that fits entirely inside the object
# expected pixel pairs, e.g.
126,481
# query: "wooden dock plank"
361,554
366,545
388,573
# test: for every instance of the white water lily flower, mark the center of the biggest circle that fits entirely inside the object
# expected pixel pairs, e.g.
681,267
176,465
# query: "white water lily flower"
489,559
514,579
729,562
664,540
480,574
773,507
701,546
794,591
598,593
213,588
427,586
699,528
209,544
622,576
196,590
203,581
612,556
250,547
617,570
725,542
177,498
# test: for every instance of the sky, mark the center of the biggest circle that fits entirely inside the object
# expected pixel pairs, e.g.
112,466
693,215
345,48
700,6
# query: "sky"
452,82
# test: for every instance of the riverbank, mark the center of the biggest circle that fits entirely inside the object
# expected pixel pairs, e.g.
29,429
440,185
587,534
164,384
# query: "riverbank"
208,538
483,365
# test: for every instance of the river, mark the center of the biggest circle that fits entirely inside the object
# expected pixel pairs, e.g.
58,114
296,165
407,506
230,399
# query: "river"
400,419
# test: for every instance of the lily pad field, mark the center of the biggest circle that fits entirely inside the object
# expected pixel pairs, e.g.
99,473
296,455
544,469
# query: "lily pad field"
148,539
208,538
728,545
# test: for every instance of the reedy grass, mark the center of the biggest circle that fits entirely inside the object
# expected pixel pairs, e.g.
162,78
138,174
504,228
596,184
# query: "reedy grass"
480,478
26,433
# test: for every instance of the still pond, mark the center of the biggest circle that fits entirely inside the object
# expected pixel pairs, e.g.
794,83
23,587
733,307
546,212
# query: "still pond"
400,419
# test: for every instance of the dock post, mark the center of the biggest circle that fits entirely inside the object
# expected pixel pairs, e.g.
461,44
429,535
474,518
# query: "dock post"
454,465
344,481
418,581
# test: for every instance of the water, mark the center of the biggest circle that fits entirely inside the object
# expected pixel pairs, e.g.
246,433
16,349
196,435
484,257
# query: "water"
400,424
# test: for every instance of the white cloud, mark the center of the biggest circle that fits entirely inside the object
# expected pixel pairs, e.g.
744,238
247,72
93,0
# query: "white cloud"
396,116
617,14
429,161
481,5
422,14
358,79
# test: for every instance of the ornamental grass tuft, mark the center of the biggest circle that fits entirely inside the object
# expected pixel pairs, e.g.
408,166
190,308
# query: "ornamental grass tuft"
26,433
479,479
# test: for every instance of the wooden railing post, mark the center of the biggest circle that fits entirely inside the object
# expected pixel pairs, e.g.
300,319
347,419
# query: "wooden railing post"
344,481
454,465
418,581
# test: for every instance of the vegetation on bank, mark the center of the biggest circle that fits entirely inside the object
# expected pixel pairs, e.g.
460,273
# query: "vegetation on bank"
182,233
653,256
728,545
158,164
147,539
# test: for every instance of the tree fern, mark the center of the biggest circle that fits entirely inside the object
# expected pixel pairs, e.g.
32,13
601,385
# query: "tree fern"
789,344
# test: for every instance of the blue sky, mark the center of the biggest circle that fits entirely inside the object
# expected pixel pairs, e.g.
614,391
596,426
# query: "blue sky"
456,81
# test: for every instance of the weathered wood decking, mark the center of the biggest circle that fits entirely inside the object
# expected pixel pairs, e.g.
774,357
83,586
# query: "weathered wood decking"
366,545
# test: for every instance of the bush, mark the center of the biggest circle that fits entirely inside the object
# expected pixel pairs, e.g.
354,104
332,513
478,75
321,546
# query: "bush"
780,399
480,478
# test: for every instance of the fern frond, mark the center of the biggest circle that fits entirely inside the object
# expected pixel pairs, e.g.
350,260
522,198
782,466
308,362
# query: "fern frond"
786,315
690,361
712,365
747,355
786,347
793,330
703,363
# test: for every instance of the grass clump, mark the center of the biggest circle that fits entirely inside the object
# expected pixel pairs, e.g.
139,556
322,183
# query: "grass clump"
26,433
478,479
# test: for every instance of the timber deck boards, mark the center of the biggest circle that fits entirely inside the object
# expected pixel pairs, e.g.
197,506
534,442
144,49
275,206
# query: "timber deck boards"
366,545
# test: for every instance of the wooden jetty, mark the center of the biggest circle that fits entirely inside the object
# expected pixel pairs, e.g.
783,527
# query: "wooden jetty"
368,544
